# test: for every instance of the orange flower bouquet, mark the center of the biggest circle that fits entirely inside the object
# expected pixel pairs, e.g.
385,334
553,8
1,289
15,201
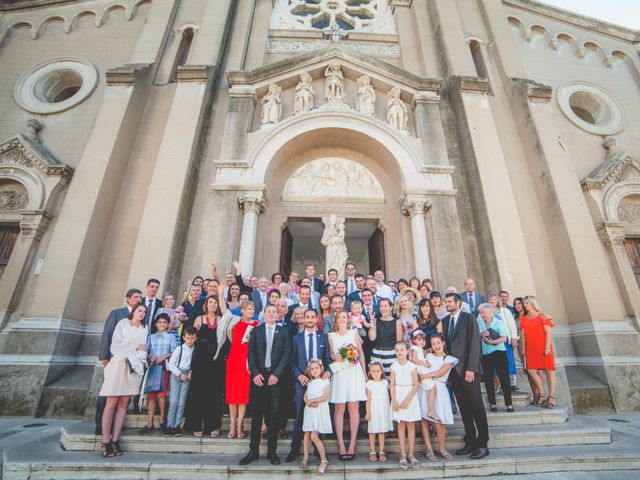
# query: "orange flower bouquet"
349,353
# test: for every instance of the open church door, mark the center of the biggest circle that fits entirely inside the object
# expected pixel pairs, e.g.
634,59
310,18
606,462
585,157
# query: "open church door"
286,252
376,251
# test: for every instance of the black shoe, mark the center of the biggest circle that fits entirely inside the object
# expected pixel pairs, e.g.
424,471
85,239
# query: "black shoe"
275,460
168,432
177,432
248,458
510,409
514,388
466,450
145,430
292,457
479,453
493,408
163,426
98,430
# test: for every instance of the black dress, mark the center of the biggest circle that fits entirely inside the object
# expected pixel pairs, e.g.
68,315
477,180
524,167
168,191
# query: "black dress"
204,403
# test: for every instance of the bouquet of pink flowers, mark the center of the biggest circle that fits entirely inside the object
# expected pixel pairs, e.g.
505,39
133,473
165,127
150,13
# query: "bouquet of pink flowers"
349,353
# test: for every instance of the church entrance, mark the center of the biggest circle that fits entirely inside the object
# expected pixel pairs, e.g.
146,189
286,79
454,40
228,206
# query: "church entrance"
301,245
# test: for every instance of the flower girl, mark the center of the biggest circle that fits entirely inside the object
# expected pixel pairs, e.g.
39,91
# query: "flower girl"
378,410
317,418
404,402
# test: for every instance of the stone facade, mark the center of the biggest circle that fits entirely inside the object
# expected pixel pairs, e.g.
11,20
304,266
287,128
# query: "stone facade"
491,138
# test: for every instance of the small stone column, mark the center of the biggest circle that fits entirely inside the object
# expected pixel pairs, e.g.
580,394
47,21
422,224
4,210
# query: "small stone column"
253,204
415,208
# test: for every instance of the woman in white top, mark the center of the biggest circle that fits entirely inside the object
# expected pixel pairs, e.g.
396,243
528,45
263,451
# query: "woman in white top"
347,382
120,382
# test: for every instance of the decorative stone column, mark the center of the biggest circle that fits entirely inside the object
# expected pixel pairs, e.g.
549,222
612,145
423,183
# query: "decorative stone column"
253,204
415,209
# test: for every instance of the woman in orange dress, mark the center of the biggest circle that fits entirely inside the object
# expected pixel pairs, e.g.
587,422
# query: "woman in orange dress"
237,379
538,351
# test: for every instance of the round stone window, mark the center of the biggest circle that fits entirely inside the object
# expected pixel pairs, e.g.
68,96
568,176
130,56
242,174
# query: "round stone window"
591,108
56,85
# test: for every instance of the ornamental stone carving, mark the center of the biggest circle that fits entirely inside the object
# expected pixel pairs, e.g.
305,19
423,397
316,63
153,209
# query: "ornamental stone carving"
334,87
366,96
397,112
253,202
333,240
629,209
384,49
413,207
12,200
271,105
304,94
332,177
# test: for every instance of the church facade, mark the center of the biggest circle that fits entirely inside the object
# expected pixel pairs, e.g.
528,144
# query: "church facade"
497,139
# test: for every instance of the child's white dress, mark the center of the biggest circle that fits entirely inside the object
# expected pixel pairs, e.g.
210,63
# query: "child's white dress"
442,404
380,407
425,385
403,386
317,419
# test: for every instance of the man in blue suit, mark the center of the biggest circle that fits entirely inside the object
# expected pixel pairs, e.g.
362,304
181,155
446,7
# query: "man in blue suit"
472,297
305,345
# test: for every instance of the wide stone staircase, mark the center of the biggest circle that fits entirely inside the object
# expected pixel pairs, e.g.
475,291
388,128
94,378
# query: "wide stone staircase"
530,440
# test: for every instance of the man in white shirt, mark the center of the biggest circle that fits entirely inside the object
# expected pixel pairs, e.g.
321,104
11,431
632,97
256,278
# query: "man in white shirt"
350,279
152,302
383,290
260,296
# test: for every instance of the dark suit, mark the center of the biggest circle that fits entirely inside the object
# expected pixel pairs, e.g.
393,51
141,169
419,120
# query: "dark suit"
478,299
256,298
289,314
318,286
463,342
299,361
264,400
105,351
157,305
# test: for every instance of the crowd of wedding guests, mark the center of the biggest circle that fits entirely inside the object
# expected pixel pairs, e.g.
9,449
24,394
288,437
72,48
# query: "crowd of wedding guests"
313,349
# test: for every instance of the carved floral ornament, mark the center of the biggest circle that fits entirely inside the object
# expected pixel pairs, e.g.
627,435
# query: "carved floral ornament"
412,207
252,202
397,111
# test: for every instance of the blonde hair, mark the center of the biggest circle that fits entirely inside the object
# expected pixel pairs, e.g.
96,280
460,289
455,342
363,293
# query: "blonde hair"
247,303
499,303
335,320
409,308
296,311
533,300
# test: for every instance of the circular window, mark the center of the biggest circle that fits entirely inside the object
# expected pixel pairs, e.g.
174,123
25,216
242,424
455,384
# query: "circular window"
591,108
56,85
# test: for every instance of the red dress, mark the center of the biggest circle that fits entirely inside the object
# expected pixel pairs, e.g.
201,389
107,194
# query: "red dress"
535,340
237,378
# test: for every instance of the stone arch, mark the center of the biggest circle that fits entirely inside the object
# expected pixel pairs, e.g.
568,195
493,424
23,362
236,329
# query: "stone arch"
615,196
31,181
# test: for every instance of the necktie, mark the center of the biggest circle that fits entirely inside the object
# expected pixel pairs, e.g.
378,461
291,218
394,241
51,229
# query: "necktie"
471,302
264,301
149,311
310,349
267,360
452,325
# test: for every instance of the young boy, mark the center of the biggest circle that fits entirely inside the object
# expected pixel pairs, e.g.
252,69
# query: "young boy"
180,367
159,348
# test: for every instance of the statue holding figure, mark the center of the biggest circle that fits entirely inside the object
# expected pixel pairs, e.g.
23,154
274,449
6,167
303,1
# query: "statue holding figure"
334,87
271,105
397,112
366,96
333,240
304,95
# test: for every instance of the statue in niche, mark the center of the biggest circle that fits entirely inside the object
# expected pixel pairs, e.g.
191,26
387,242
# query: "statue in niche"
304,94
271,105
397,113
366,96
333,240
334,87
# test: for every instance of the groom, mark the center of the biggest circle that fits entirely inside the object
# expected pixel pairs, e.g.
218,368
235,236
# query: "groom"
306,345
463,342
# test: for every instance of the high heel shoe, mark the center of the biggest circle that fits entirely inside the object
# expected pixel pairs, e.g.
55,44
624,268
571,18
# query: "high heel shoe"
324,463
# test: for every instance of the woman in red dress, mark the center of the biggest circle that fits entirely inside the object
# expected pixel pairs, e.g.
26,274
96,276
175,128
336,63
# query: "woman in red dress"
538,351
237,379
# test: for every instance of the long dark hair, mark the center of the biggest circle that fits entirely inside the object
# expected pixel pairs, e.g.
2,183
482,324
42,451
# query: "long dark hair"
524,311
143,322
432,319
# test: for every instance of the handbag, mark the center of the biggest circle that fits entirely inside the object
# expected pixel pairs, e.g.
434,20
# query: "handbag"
155,379
493,335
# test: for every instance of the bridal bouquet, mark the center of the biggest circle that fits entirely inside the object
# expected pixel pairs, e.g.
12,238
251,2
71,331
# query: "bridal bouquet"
349,353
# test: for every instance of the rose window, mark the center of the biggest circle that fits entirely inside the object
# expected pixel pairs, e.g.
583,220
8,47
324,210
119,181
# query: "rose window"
345,14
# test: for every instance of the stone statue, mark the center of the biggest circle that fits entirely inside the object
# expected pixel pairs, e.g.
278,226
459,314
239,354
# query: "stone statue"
304,94
334,87
366,96
271,105
397,113
333,240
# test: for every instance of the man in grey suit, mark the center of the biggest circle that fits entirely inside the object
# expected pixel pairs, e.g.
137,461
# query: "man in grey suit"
462,340
472,297
133,297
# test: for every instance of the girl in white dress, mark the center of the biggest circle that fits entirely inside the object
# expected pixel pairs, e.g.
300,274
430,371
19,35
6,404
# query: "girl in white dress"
404,402
378,410
129,340
317,418
441,365
347,383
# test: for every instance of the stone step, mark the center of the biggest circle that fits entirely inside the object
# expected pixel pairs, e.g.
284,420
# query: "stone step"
578,432
49,461
525,416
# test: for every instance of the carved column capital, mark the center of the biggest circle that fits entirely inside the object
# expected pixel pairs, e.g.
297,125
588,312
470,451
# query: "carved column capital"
254,202
34,225
611,235
414,206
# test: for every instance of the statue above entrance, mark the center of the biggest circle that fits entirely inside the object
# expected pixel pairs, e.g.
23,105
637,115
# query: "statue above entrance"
333,240
333,177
